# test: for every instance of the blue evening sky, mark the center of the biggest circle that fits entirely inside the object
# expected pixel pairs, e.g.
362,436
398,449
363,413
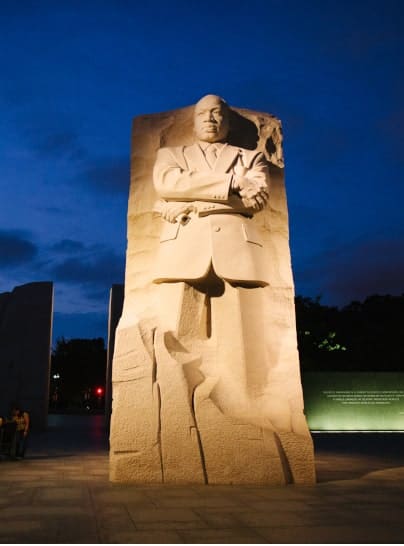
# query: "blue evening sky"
73,74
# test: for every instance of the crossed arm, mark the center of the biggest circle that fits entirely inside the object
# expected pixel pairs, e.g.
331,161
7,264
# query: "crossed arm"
182,190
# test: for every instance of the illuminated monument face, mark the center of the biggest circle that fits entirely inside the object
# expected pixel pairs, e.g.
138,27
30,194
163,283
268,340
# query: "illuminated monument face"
211,119
206,385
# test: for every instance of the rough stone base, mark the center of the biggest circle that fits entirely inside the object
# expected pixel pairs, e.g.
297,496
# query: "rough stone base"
168,434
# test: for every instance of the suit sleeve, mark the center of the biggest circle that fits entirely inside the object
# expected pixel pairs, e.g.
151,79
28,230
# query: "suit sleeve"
174,182
257,169
234,205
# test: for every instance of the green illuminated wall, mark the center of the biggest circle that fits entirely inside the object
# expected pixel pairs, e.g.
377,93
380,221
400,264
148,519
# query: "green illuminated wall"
354,401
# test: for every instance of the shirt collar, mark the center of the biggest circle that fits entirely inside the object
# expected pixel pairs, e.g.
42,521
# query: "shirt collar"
204,145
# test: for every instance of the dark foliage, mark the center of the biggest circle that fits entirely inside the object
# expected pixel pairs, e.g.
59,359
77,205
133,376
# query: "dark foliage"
79,366
367,336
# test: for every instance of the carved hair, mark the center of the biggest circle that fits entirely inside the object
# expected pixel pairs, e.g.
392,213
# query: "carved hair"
216,97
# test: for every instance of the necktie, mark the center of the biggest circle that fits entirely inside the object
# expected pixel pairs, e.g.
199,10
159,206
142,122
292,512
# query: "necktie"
210,154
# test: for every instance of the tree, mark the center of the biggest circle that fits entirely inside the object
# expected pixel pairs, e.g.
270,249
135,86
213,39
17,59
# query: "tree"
78,367
321,345
375,332
366,336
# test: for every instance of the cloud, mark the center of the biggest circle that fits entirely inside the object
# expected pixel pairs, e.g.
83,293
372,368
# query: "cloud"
54,139
16,248
357,270
55,210
109,175
67,246
92,269
51,139
63,143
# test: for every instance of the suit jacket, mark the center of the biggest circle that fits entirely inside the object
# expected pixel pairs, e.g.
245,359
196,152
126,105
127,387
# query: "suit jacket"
221,232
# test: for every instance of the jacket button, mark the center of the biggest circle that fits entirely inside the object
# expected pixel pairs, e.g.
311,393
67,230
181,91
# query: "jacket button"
217,228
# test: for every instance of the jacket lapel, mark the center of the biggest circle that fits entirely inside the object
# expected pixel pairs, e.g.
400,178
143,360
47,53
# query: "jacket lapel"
196,158
227,157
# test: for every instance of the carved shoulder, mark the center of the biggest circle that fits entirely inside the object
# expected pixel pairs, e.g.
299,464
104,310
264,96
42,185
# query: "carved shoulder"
171,155
251,157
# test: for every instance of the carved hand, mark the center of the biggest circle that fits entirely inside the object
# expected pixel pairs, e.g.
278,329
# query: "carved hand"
252,194
171,210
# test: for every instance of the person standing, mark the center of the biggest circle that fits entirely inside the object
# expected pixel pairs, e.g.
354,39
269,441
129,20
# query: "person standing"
21,418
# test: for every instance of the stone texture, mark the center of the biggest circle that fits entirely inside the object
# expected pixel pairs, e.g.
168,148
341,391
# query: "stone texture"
26,316
359,507
197,401
238,443
116,296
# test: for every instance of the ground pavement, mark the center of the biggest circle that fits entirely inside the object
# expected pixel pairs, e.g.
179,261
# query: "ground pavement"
61,494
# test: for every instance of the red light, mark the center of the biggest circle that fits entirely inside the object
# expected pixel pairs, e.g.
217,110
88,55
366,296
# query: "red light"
99,391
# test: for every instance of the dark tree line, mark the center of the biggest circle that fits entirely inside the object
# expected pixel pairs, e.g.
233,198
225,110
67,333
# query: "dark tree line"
367,336
78,370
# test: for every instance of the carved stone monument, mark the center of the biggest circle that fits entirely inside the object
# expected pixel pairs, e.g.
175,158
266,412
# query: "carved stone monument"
206,382
26,316
115,311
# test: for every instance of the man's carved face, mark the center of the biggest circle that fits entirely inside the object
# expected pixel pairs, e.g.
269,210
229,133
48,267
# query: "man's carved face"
211,119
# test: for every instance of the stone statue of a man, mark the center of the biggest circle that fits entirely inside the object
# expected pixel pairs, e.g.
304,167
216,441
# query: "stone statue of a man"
210,191
206,385
212,262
